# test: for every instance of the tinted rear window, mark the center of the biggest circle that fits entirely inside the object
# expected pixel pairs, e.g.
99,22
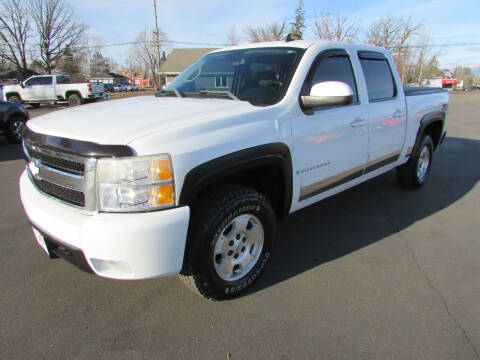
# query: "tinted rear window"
379,79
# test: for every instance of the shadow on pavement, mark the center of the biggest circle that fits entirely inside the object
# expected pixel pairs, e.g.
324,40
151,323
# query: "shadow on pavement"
370,212
9,151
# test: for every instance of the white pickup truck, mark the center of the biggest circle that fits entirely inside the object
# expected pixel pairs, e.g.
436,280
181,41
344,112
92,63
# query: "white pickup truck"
53,88
192,181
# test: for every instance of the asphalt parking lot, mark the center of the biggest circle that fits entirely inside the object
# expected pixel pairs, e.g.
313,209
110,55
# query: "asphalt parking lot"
376,272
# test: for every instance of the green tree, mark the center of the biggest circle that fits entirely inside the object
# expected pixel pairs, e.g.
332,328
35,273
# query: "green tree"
99,65
299,24
71,64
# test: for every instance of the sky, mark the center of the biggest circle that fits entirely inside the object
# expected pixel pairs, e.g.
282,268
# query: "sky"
209,21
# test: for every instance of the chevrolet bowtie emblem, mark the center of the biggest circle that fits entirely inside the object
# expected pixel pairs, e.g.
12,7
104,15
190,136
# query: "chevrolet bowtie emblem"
34,170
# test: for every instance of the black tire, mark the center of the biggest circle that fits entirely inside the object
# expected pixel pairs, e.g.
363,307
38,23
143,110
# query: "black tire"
14,126
14,99
74,100
34,105
209,220
407,174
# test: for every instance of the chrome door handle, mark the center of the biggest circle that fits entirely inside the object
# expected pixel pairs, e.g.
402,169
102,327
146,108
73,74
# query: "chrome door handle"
398,114
358,122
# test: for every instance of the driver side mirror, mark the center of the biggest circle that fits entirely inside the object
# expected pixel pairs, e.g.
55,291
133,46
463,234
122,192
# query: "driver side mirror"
328,94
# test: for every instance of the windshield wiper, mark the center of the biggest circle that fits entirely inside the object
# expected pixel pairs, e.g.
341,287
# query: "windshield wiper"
173,92
212,93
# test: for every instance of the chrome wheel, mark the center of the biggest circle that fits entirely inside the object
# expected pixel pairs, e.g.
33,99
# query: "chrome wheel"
423,164
16,127
238,247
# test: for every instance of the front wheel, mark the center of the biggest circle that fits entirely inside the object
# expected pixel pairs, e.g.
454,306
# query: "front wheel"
414,173
231,239
14,128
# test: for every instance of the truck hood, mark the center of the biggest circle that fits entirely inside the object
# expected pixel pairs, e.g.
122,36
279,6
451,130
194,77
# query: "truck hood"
122,121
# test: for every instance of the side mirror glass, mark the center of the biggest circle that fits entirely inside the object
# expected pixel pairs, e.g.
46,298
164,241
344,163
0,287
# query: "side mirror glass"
328,94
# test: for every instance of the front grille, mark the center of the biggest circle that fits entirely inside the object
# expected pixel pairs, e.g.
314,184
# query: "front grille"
71,196
58,163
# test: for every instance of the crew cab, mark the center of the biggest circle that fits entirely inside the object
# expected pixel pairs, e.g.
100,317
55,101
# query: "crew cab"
193,180
53,88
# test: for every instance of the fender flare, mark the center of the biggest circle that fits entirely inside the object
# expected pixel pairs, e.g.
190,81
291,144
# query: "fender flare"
71,92
277,154
424,122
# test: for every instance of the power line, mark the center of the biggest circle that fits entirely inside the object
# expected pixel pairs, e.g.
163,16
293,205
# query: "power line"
152,42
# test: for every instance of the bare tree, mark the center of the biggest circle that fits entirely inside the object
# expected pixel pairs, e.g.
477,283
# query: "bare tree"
232,38
335,28
56,31
14,32
464,74
144,51
269,32
385,32
400,36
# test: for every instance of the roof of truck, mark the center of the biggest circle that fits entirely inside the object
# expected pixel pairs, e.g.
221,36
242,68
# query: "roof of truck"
302,44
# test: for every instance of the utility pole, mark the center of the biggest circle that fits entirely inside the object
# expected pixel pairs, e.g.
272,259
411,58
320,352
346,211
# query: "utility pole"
157,45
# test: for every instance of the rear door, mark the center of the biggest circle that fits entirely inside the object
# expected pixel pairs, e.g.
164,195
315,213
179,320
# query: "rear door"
330,144
386,110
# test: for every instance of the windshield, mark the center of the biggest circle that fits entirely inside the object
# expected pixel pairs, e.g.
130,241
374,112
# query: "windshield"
260,76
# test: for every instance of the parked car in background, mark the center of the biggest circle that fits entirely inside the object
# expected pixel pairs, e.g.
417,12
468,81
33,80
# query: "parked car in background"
472,88
108,87
12,116
120,87
52,88
132,87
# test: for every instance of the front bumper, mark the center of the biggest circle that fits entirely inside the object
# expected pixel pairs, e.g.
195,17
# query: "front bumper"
118,246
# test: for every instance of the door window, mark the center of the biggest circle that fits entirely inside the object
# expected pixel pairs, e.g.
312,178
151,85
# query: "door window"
379,79
333,68
32,82
45,80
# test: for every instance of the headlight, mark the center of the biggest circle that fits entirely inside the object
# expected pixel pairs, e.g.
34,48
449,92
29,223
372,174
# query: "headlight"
135,184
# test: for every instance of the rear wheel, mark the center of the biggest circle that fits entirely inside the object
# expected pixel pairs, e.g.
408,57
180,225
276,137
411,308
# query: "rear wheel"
74,100
14,99
231,238
14,127
414,173
34,105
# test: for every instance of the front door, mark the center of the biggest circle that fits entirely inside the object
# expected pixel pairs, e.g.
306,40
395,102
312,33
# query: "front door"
330,144
40,88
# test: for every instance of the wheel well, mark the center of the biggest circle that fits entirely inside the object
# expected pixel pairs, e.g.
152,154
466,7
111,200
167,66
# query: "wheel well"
7,95
267,179
72,92
434,129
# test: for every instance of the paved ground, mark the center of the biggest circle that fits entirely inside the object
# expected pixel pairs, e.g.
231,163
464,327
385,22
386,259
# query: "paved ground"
373,273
